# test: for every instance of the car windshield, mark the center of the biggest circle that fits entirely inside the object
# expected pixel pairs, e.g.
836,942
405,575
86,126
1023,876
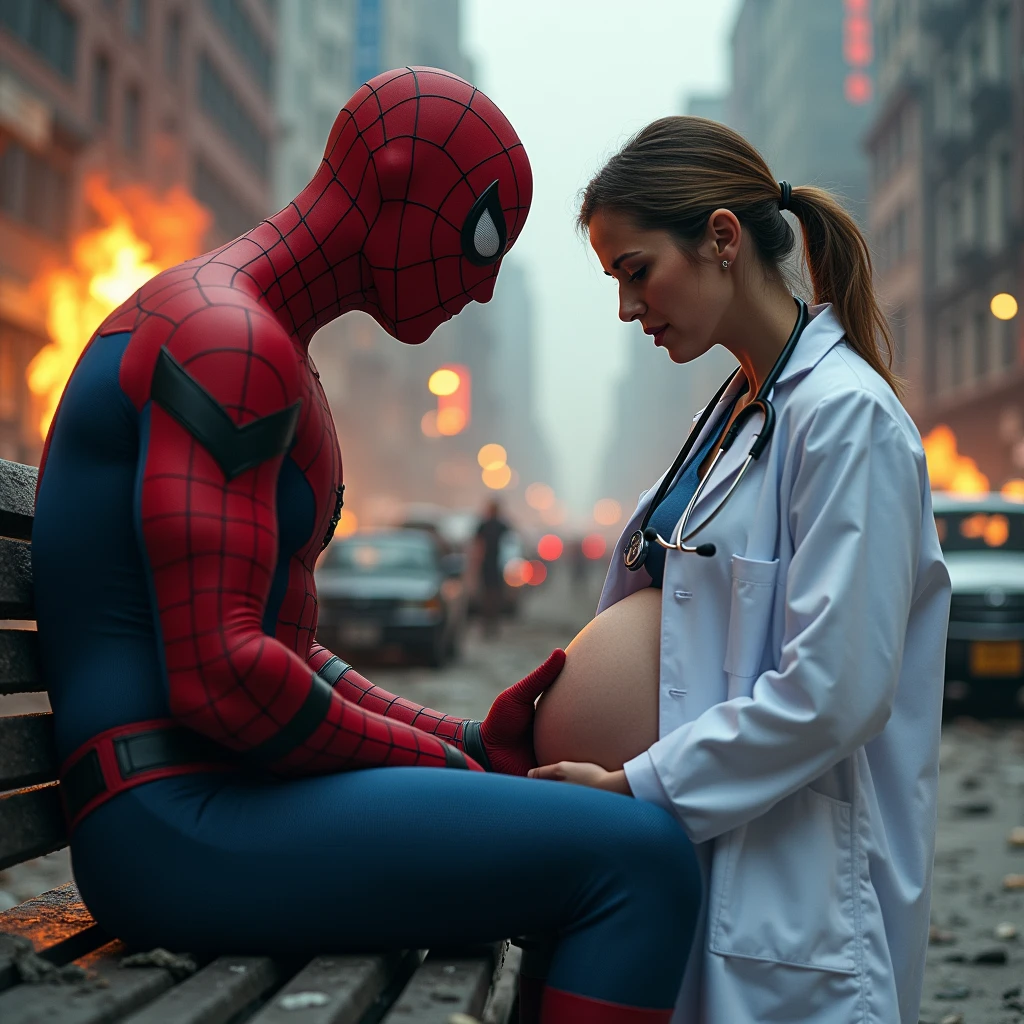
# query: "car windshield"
384,554
968,530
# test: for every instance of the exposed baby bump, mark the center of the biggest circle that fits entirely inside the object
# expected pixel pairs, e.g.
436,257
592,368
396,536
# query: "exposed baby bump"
603,708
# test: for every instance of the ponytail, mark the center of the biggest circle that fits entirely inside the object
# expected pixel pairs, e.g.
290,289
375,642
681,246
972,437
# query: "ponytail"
673,174
839,262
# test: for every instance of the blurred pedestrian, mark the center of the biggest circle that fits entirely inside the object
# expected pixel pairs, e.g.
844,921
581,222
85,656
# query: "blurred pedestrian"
487,558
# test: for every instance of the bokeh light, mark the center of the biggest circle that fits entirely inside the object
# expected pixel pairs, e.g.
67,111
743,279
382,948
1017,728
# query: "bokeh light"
538,573
607,512
1013,489
539,497
429,424
857,88
516,572
491,456
347,524
1004,306
497,478
550,547
450,421
594,546
444,382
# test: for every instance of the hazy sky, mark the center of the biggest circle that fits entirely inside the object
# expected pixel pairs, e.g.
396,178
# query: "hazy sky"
576,78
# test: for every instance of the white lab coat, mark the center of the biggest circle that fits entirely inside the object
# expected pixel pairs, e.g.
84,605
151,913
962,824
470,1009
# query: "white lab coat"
801,686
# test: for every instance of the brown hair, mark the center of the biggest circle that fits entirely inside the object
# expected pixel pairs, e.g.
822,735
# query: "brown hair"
676,172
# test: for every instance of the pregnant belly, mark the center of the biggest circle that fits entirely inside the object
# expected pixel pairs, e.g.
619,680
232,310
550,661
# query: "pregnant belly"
603,707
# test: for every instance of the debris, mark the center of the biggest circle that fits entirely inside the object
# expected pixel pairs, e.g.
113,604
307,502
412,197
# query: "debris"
951,992
1013,882
1016,836
939,937
462,1018
970,782
33,969
955,958
180,965
1012,993
952,1018
1005,931
303,1000
993,955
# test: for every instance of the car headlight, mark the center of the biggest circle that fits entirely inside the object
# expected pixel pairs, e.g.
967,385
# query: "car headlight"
431,604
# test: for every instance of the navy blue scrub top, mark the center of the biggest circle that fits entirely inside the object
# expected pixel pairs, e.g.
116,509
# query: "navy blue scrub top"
673,505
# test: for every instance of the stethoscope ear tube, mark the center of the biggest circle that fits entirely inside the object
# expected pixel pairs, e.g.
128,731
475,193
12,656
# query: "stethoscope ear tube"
635,553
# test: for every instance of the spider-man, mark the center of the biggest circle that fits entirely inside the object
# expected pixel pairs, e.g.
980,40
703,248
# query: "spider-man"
190,479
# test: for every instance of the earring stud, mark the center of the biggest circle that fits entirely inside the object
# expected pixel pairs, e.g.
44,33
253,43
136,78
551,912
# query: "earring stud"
725,264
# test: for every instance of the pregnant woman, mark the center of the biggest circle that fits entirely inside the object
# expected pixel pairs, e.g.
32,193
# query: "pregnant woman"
767,663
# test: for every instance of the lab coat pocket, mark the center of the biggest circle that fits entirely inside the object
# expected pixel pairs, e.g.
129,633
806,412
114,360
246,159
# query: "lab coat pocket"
750,614
783,887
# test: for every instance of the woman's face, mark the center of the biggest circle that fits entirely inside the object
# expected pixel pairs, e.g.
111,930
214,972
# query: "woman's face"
679,303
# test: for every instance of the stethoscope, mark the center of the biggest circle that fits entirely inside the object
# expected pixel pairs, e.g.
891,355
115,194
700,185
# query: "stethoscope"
635,553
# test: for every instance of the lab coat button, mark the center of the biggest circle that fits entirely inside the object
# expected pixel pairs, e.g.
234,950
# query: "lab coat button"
682,595
677,693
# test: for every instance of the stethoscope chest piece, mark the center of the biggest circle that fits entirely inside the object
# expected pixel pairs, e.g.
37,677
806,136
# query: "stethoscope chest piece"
636,550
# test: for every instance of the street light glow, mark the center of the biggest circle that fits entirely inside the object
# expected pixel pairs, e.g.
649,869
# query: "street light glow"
1004,306
607,512
444,382
450,421
498,477
429,424
540,497
492,456
549,547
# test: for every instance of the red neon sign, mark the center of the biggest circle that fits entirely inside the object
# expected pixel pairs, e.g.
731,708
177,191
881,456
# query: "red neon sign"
858,50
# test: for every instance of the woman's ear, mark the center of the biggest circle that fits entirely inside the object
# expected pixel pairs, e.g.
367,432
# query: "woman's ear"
723,234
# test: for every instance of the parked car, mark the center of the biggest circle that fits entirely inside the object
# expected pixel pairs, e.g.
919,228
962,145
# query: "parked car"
983,542
392,588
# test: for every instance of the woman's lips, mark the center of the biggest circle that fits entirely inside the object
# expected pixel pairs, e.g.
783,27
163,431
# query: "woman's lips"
659,334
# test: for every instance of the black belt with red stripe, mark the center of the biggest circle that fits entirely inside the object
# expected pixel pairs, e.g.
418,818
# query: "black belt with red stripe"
129,755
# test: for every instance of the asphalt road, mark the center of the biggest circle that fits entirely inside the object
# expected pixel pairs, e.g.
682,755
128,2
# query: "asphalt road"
975,964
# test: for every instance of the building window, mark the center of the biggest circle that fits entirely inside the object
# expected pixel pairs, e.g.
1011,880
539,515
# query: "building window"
227,112
1005,188
978,199
46,27
1010,344
33,191
172,46
243,35
101,89
956,361
980,345
137,18
132,118
232,217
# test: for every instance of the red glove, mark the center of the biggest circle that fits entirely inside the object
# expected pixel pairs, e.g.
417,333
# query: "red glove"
503,741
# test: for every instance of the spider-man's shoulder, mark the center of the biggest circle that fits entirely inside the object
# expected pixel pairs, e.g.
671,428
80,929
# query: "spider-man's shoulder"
221,334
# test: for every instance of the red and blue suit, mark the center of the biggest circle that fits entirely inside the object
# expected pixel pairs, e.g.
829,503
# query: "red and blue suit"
230,783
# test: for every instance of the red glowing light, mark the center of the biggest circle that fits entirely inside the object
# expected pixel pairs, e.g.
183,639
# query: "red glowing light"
538,573
858,89
858,49
549,547
594,545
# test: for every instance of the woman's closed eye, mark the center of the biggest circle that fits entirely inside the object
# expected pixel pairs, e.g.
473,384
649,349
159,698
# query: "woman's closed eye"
638,275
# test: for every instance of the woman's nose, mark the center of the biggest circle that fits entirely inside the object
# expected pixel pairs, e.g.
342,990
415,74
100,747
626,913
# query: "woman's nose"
630,308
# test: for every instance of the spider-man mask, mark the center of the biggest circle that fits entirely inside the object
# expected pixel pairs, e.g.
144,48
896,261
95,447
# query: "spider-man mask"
444,186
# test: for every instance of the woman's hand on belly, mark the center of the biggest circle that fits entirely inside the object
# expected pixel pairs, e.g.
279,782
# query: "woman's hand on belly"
583,774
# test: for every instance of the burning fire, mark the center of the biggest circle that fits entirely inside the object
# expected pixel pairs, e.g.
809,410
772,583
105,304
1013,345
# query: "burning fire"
948,469
141,234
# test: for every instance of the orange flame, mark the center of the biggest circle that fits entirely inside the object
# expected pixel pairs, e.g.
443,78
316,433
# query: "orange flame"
948,469
141,235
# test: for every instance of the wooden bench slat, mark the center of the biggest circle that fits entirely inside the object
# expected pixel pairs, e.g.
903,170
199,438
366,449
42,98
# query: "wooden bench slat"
345,986
442,986
108,996
19,661
215,995
506,987
27,752
17,499
16,600
31,824
58,926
